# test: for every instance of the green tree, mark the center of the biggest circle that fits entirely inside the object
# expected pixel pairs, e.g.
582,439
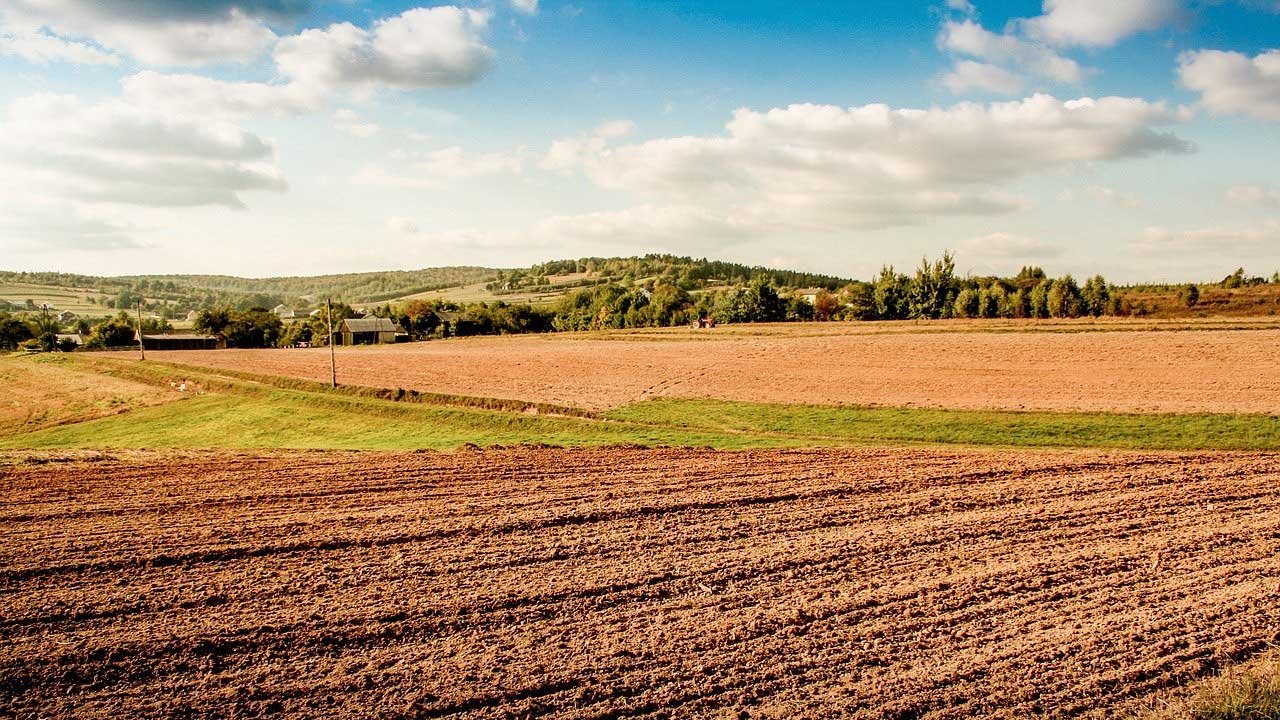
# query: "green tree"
1038,300
1095,297
933,290
967,305
1190,295
889,293
1064,298
14,331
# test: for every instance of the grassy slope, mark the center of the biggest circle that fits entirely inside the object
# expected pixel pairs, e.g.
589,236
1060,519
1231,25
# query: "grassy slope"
968,427
60,298
242,410
41,391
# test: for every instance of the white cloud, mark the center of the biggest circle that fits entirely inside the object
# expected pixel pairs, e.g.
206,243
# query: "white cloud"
43,49
1105,196
968,38
404,225
348,121
34,224
1003,246
969,75
421,47
202,96
568,154
435,168
158,33
683,228
1234,83
117,153
1098,23
525,6
827,168
963,6
1234,242
1253,196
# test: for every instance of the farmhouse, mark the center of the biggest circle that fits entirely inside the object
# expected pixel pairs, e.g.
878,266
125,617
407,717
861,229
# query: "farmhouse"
809,294
66,316
73,338
183,342
369,331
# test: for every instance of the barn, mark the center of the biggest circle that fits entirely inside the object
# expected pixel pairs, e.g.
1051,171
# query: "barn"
183,342
369,331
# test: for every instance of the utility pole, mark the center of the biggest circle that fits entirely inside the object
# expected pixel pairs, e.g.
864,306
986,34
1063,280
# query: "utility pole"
142,348
333,360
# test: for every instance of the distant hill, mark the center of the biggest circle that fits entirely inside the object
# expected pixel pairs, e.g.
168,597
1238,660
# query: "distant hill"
539,283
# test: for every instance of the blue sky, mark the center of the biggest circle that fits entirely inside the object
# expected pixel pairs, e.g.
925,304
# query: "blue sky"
264,137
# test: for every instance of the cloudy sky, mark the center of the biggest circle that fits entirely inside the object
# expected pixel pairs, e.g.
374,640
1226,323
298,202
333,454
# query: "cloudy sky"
1139,138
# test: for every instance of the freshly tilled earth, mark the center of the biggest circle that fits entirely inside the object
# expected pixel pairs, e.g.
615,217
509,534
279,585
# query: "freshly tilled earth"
668,583
1098,368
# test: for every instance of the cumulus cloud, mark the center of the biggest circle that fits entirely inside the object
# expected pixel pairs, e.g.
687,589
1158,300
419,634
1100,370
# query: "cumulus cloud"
404,225
1236,242
568,154
115,152
1002,246
967,37
43,49
203,96
1234,83
1098,23
421,47
350,122
1253,196
969,75
525,6
1105,196
36,224
434,168
155,32
827,167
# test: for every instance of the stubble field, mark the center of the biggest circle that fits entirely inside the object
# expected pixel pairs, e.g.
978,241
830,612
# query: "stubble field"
629,583
1111,366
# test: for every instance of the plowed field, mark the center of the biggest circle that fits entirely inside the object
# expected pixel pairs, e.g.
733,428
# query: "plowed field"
629,583
854,363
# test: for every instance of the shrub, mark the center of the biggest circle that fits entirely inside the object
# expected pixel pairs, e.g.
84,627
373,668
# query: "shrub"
1190,295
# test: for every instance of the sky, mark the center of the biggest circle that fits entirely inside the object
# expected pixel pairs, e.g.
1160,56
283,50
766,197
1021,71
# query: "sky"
1135,138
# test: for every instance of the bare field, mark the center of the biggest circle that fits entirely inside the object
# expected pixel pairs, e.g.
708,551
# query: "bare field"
629,583
40,392
1119,366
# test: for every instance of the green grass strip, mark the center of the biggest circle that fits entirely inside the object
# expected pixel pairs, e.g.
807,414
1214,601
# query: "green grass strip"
865,425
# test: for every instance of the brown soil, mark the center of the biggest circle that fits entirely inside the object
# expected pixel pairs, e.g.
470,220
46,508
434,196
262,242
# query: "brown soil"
629,583
1103,366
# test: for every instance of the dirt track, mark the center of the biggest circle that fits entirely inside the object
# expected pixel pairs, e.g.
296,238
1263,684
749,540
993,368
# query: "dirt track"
1124,371
628,583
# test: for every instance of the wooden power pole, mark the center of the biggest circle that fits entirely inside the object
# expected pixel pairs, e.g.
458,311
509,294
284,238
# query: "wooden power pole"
333,360
142,348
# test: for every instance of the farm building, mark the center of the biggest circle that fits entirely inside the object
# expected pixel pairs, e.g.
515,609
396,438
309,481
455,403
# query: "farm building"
66,316
369,331
73,338
284,312
183,342
809,294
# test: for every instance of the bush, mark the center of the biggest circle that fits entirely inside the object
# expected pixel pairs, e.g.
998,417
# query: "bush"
1190,295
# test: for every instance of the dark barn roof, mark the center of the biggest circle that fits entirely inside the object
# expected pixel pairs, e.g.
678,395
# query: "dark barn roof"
367,325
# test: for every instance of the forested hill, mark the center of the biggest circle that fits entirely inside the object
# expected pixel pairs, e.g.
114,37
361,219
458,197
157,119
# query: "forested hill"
179,293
